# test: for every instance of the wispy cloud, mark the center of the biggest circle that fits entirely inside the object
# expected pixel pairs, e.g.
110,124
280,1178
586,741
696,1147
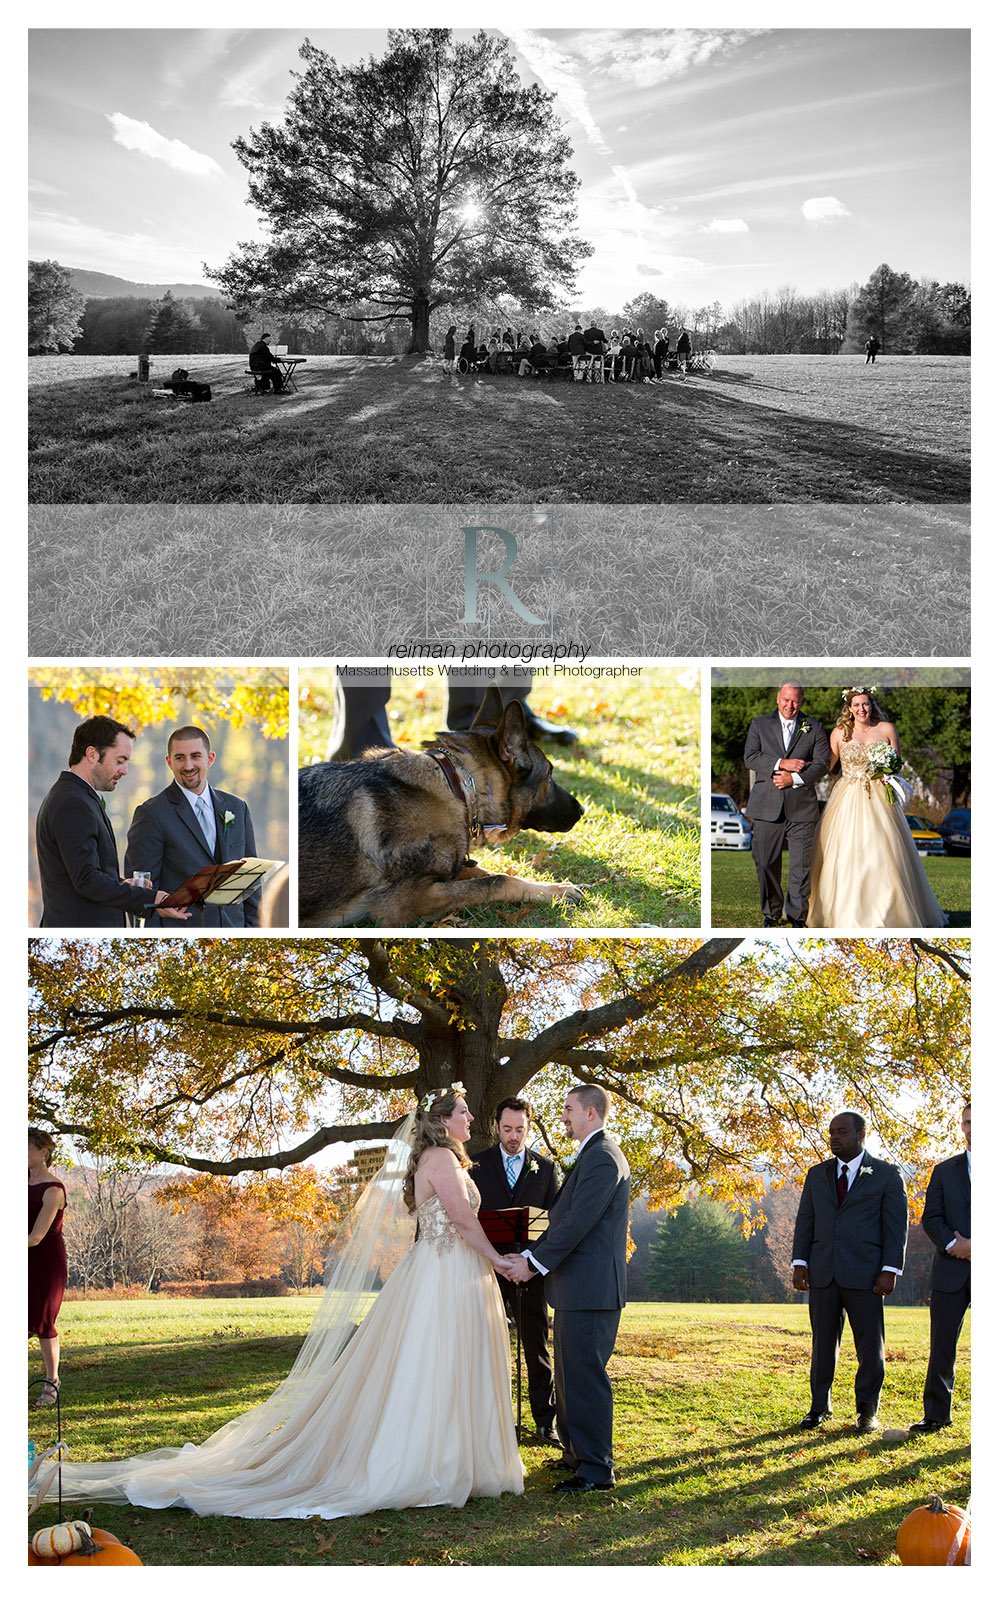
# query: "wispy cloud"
36,186
141,256
825,209
560,74
251,87
730,224
139,136
648,58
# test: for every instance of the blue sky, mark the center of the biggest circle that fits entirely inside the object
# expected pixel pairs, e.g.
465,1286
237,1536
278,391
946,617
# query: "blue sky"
714,163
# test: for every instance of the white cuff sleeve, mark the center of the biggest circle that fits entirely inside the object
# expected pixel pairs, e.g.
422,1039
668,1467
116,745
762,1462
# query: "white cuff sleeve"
797,780
801,1262
949,1246
893,1270
533,1262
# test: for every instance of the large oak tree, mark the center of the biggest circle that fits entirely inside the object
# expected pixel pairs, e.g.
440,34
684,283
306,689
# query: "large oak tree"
428,176
725,1059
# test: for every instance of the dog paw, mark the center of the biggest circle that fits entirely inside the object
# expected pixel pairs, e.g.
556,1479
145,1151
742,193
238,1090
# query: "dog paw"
568,890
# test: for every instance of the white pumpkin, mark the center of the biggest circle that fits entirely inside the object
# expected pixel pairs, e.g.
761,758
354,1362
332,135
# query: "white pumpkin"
53,1542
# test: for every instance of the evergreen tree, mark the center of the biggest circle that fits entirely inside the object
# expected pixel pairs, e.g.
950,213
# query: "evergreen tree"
172,329
699,1256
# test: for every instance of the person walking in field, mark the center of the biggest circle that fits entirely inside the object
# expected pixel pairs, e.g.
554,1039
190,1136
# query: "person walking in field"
871,350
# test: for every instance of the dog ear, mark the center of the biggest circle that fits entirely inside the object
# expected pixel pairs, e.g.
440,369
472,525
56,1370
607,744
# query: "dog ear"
512,737
490,712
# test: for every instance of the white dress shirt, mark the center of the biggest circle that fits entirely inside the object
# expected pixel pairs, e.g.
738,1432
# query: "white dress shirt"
852,1168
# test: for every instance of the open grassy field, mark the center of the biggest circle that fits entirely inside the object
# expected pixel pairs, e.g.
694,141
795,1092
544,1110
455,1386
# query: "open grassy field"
635,852
757,430
735,901
711,1467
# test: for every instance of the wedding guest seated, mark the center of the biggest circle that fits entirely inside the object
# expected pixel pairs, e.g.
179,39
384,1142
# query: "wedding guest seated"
596,344
613,359
577,346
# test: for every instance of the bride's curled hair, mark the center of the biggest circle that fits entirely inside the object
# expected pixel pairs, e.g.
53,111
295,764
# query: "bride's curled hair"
429,1132
845,721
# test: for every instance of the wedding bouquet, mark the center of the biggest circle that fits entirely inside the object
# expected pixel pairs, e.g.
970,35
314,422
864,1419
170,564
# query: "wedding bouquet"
883,765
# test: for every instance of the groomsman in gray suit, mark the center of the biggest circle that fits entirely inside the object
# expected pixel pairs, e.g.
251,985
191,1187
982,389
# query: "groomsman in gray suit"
847,1251
947,1220
582,1258
787,753
190,825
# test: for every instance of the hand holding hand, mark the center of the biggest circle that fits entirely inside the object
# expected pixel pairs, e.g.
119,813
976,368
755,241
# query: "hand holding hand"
520,1270
885,1283
501,1265
800,1278
962,1249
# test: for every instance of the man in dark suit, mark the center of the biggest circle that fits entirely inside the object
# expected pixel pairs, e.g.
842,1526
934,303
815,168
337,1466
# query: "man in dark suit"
848,1248
947,1220
508,1176
264,366
75,842
787,753
190,825
582,1258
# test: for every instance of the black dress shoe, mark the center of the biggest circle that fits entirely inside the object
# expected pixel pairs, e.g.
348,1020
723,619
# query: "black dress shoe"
922,1426
815,1417
548,1434
793,923
769,921
537,728
868,1423
578,1485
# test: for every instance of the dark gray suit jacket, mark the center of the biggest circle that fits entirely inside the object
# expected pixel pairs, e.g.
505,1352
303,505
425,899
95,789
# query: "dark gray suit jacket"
584,1249
852,1244
764,746
78,860
947,1210
166,840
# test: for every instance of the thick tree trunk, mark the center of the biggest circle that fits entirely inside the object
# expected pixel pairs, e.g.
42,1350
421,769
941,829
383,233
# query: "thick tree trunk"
420,326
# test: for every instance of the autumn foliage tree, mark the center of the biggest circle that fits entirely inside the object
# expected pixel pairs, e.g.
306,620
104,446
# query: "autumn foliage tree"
726,1060
431,175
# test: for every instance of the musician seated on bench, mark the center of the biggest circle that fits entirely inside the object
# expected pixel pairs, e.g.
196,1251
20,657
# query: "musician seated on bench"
266,370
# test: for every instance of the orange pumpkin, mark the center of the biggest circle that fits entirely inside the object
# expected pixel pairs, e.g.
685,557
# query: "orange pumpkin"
105,1549
935,1534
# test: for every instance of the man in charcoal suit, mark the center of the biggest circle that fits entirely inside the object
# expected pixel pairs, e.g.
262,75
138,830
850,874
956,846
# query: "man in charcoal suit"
366,721
947,1220
75,841
787,753
191,825
510,1175
582,1258
847,1251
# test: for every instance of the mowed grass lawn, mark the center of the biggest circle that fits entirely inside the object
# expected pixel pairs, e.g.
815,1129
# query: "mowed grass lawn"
711,1466
736,903
757,430
635,851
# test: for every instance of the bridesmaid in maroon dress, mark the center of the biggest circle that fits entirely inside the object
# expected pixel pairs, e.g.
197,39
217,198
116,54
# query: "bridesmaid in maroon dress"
46,1257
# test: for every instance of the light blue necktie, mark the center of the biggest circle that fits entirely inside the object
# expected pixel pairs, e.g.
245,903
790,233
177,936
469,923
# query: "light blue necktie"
511,1161
201,806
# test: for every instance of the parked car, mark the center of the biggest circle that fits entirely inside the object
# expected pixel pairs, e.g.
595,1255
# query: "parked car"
924,836
730,828
956,830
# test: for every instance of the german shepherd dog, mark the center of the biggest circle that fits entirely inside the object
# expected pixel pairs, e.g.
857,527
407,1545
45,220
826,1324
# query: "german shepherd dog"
385,839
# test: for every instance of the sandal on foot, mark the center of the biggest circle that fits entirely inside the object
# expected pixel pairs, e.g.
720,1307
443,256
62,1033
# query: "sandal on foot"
48,1395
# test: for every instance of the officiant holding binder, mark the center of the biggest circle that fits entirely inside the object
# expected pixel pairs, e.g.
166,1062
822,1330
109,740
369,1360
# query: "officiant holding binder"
191,825
510,1175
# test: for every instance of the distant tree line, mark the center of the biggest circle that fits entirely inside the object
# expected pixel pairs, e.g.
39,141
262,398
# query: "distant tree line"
906,316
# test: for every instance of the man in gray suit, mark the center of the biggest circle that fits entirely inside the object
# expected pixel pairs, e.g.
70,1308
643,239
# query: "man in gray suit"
848,1249
947,1220
582,1257
191,825
787,753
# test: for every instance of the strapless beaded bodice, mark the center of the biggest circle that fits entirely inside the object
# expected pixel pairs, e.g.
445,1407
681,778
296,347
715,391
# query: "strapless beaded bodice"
435,1226
854,762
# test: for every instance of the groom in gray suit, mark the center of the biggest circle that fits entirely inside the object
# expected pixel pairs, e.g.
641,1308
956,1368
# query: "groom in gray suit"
847,1251
787,753
947,1220
191,825
582,1258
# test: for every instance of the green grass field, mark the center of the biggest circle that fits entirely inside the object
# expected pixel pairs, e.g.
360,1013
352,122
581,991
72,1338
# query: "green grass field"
758,430
711,1467
635,853
735,901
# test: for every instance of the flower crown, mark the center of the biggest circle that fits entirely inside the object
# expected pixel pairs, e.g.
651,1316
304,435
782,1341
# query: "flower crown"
438,1093
847,694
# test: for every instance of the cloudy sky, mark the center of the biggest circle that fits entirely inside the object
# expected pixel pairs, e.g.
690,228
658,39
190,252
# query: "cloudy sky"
713,164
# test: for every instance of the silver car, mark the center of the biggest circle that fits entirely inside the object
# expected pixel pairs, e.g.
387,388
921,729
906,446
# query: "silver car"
730,828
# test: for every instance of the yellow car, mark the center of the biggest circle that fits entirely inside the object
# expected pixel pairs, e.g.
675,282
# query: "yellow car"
926,839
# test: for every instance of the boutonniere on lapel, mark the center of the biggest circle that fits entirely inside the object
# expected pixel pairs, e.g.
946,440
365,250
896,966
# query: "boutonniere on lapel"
805,726
531,1165
227,819
568,1165
866,1170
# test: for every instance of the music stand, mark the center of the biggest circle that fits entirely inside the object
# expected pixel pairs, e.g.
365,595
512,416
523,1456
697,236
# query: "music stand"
511,1231
228,883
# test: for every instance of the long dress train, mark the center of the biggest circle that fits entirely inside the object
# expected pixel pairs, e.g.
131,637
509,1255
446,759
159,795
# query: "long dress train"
865,868
415,1411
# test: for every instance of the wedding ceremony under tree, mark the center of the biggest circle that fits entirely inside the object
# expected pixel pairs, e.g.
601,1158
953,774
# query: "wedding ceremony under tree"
272,1067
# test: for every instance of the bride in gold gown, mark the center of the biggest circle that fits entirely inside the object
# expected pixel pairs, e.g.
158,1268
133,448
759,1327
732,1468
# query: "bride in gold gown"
404,1406
865,868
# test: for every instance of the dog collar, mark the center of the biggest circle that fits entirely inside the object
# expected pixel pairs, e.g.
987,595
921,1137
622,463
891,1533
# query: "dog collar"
463,787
